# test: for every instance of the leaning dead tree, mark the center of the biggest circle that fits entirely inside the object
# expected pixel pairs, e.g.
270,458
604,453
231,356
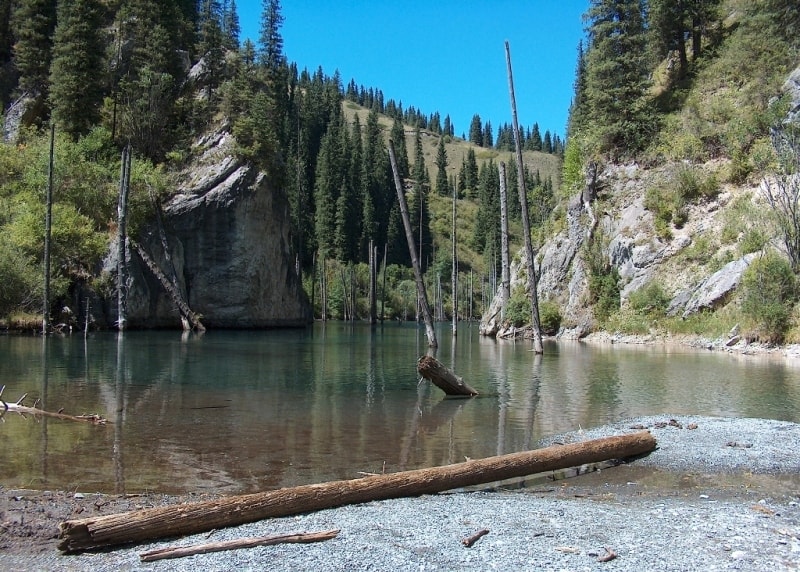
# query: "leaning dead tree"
182,519
172,289
526,223
422,294
435,371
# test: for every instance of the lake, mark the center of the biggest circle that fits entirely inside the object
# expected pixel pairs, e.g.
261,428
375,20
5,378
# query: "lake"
244,411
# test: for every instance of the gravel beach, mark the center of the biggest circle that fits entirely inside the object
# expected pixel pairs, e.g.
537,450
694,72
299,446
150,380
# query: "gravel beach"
717,494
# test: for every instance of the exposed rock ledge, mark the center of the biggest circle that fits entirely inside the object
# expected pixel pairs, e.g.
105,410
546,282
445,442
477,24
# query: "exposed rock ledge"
227,231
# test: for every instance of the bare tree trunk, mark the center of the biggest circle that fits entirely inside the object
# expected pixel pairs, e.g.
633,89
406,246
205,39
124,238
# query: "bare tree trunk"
454,276
373,282
526,223
122,240
505,279
383,288
422,295
48,224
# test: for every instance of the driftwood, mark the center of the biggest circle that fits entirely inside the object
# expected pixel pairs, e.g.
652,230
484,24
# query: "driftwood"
23,410
470,540
433,370
181,551
95,532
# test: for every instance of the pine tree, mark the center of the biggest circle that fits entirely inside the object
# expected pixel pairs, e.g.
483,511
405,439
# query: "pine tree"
617,77
442,186
536,138
476,131
401,153
270,40
33,24
211,42
6,53
77,76
230,25
547,143
488,135
149,72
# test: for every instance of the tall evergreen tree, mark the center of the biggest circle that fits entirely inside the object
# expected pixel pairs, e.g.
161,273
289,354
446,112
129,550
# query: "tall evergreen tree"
488,135
149,72
442,186
536,138
211,42
6,52
230,25
617,77
476,131
33,24
270,40
400,148
77,77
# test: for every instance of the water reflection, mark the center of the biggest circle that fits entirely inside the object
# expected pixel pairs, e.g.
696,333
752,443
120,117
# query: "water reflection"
246,411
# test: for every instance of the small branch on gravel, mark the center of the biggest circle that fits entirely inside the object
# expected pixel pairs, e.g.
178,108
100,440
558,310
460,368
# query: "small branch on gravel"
470,540
181,551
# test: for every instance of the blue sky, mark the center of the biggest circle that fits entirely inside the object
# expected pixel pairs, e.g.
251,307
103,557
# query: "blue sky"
441,55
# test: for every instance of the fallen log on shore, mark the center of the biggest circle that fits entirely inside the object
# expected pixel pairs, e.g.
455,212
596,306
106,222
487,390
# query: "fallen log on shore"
100,531
433,370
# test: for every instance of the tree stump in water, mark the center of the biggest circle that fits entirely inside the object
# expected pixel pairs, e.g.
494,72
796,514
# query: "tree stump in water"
434,371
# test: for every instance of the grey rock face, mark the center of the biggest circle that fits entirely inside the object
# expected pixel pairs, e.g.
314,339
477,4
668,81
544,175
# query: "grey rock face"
228,238
712,291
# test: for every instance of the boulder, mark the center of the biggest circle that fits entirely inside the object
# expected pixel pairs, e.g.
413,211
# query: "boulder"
711,292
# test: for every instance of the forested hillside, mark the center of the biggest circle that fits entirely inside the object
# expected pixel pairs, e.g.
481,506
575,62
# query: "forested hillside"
158,75
681,162
684,97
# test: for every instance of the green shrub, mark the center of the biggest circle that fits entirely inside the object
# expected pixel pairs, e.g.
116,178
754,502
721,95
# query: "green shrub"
518,309
549,317
649,300
769,291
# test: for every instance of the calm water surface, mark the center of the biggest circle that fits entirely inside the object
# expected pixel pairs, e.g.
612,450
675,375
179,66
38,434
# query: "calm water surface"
246,411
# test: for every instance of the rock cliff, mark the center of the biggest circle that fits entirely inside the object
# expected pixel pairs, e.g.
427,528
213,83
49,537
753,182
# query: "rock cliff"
226,232
696,268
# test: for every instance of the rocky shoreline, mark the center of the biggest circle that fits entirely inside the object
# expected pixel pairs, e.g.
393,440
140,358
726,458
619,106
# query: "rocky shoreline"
718,493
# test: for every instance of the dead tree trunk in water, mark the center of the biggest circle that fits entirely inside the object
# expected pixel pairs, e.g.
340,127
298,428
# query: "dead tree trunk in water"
182,519
422,295
48,224
526,223
434,371
505,279
122,239
454,277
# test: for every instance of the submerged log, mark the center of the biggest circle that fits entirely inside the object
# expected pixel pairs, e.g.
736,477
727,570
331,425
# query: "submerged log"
24,410
99,531
433,370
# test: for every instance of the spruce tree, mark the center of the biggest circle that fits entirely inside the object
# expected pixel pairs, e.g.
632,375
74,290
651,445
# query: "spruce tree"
442,186
33,24
77,75
6,53
476,131
536,138
270,40
617,77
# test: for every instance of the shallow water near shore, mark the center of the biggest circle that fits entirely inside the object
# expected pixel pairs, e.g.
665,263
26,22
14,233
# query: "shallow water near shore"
239,412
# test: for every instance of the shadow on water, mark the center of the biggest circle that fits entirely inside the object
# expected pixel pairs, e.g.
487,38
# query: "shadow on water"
245,411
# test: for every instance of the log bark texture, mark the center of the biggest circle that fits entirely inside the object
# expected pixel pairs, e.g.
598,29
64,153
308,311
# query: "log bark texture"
99,531
433,370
